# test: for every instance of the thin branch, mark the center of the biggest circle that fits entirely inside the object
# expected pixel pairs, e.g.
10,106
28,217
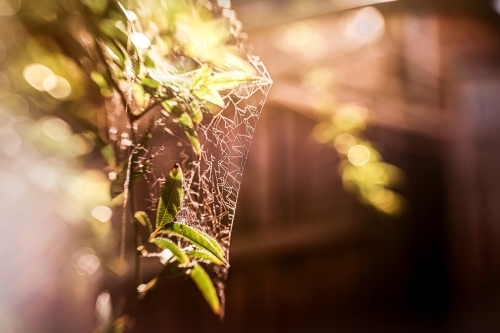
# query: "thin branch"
126,190
149,108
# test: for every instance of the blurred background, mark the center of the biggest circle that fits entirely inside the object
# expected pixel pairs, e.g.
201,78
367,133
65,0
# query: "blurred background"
314,248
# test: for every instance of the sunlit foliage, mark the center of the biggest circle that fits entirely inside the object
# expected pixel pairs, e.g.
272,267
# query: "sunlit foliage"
362,167
84,57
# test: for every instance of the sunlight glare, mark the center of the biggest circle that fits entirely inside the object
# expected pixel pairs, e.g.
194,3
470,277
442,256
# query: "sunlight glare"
359,155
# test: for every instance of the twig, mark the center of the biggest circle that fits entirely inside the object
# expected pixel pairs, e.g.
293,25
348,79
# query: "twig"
145,111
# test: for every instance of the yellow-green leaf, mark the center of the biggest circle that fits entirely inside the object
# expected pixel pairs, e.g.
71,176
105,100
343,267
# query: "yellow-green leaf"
201,76
195,142
209,95
167,244
185,120
195,113
143,219
97,6
228,80
109,28
170,197
99,79
169,105
139,94
148,82
148,61
205,255
230,58
144,288
172,108
205,285
197,237
109,155
114,52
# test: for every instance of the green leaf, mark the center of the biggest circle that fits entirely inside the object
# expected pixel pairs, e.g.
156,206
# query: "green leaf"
209,95
205,255
97,6
99,79
148,61
195,113
205,285
139,95
114,52
148,82
195,142
197,237
169,105
136,65
143,219
229,57
201,76
187,123
185,120
144,288
167,244
172,108
109,155
109,28
228,80
170,197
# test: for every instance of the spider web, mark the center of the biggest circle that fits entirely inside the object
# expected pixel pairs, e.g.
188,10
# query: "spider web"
211,180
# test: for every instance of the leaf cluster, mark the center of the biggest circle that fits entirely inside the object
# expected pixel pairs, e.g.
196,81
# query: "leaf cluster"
168,234
181,64
181,68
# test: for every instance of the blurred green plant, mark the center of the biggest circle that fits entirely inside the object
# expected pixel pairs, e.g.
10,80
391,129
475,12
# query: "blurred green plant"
361,167
179,260
145,62
90,57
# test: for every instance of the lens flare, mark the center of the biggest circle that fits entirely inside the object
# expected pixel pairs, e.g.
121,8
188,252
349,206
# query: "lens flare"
358,155
36,74
102,213
344,142
55,128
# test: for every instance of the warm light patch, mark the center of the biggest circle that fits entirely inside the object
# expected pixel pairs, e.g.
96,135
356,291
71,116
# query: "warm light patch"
8,8
359,155
55,128
12,184
42,78
140,40
344,142
102,213
86,261
319,78
44,176
36,74
362,26
82,144
60,88
351,116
